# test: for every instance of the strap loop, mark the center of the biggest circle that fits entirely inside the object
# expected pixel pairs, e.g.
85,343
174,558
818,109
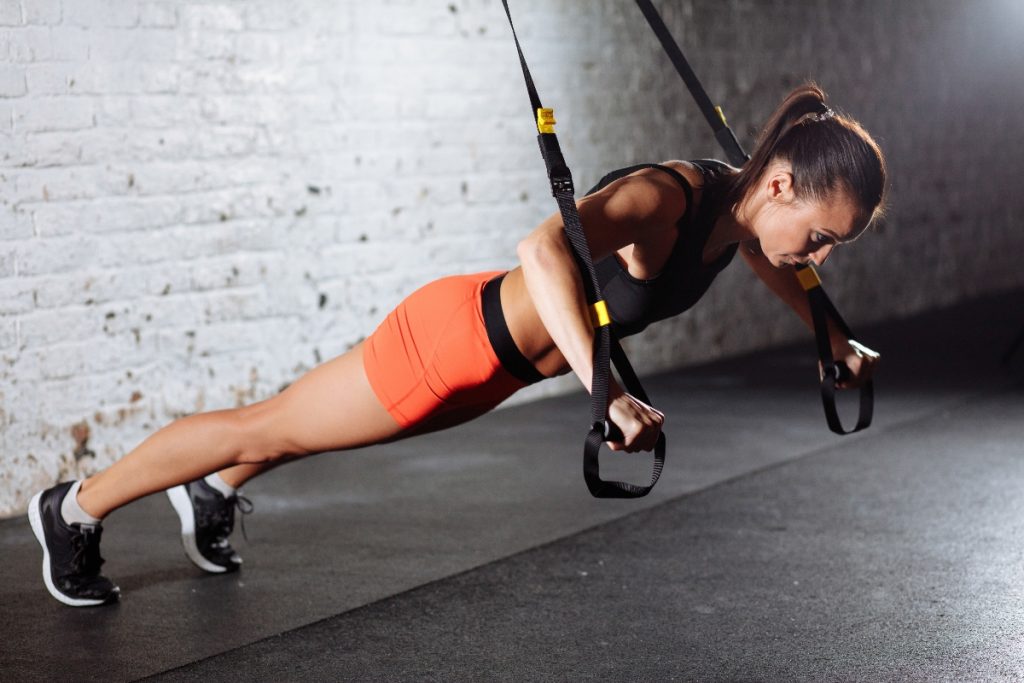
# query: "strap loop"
819,301
833,371
605,346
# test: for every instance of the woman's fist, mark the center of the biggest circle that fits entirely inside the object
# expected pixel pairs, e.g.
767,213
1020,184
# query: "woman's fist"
640,423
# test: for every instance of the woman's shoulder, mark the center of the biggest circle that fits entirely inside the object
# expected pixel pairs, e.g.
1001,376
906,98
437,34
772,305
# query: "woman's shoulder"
670,181
690,171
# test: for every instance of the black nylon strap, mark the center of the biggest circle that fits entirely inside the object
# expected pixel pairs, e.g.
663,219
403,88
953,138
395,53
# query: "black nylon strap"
601,427
599,433
833,371
530,88
819,302
726,138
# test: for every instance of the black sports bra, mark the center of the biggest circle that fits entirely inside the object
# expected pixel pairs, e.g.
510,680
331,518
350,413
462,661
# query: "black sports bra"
633,303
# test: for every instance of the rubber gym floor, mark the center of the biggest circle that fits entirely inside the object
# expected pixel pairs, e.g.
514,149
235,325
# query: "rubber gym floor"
771,549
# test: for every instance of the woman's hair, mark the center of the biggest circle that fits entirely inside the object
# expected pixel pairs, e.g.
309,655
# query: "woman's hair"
826,151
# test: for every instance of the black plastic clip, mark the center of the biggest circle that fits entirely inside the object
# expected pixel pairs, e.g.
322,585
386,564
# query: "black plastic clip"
558,170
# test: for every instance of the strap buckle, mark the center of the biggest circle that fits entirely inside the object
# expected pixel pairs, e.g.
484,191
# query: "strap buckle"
599,315
558,172
721,115
808,278
563,184
545,120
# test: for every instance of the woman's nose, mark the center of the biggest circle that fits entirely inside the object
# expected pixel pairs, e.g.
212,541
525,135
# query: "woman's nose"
820,255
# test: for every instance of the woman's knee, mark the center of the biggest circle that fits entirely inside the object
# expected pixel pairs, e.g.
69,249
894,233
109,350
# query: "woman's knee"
260,436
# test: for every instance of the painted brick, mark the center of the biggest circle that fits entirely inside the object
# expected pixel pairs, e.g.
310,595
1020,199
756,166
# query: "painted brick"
54,78
8,333
137,44
46,12
270,16
12,81
83,357
212,18
127,78
15,298
70,44
100,13
73,182
45,114
10,14
6,122
49,327
30,44
7,265
201,46
55,255
158,14
14,225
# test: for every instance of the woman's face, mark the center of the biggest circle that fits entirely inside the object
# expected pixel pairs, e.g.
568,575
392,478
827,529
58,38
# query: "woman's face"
792,231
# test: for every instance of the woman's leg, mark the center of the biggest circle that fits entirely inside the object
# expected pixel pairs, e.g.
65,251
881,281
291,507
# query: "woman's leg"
330,408
237,475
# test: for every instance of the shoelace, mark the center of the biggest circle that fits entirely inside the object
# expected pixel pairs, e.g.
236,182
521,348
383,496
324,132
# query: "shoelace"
86,560
245,506
222,518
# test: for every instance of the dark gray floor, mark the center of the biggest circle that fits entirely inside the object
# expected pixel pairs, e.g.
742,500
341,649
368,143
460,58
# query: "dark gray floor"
771,550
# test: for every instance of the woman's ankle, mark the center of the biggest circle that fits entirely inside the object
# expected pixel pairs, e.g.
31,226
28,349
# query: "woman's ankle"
218,483
73,512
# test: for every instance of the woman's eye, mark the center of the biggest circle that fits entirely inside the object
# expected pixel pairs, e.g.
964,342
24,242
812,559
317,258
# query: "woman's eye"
821,239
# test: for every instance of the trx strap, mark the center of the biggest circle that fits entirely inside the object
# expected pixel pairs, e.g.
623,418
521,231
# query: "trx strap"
833,371
819,302
605,345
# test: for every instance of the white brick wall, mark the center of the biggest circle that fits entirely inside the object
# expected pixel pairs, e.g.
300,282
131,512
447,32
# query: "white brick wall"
201,200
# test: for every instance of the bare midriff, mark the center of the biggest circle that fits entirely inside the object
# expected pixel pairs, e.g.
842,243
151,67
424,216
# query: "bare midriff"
527,330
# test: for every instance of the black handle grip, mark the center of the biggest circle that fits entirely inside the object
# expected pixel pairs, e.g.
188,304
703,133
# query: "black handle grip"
839,370
612,432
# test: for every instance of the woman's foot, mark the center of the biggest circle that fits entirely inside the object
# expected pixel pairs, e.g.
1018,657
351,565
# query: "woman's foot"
71,552
207,519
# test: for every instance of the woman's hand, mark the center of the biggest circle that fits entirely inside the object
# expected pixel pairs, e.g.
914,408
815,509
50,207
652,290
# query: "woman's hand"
861,360
640,423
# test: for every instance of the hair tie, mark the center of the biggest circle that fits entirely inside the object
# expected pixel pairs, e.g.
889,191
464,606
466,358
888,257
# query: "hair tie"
824,114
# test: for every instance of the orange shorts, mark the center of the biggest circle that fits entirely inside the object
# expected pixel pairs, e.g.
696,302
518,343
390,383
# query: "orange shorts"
431,359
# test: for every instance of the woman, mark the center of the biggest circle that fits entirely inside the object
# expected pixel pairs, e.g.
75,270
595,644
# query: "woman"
459,346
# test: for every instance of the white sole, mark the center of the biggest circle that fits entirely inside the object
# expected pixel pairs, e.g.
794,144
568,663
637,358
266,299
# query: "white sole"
183,506
37,528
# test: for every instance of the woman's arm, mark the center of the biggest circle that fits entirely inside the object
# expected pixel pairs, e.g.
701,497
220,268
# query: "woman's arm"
633,210
784,283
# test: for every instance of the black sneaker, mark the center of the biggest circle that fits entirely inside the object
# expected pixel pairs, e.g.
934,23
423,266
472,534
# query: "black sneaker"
207,519
71,552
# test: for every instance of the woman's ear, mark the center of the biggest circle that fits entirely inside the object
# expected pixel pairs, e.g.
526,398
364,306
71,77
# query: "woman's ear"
780,186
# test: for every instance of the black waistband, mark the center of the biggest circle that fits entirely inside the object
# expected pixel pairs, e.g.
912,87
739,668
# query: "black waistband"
501,339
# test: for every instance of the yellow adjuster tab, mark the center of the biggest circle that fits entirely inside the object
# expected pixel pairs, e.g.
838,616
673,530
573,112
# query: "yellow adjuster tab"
599,314
808,278
721,115
546,120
